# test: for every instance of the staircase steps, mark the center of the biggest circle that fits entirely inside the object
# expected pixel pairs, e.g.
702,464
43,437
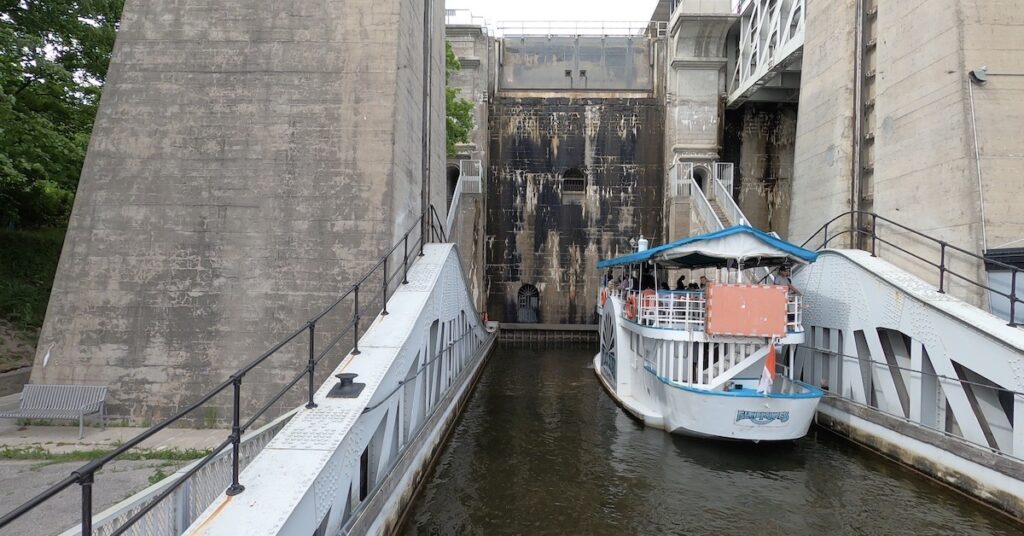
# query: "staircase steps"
720,213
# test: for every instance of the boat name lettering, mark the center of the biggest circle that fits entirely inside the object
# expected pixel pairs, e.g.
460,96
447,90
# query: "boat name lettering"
762,417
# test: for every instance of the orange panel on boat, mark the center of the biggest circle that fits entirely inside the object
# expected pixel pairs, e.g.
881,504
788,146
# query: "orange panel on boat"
746,310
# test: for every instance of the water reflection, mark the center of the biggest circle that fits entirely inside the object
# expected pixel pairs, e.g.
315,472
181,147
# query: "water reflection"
541,449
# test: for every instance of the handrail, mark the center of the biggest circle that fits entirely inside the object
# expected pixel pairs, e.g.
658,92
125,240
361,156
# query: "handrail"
453,209
84,475
704,208
728,204
942,266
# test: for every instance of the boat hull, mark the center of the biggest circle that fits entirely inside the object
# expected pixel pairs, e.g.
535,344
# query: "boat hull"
741,415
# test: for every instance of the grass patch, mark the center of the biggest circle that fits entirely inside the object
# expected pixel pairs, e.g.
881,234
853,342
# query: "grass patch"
48,458
27,268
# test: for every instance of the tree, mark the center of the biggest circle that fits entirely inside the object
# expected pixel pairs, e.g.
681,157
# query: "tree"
459,111
53,62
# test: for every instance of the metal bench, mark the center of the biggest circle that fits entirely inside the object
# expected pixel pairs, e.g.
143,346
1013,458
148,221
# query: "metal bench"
61,402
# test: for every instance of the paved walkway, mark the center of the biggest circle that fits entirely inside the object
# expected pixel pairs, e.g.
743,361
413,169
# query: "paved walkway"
64,438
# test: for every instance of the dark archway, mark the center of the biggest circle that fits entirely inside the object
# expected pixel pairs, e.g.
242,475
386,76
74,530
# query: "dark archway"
528,305
700,176
453,180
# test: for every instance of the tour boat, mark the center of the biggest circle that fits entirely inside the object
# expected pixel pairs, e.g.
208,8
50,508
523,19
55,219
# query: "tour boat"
704,362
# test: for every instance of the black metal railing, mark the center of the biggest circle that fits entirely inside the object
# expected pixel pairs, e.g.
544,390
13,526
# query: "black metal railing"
864,225
84,476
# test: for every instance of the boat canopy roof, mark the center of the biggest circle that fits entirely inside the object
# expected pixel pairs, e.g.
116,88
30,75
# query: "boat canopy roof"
749,246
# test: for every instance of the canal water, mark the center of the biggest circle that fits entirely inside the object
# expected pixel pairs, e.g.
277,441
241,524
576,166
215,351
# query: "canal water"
542,449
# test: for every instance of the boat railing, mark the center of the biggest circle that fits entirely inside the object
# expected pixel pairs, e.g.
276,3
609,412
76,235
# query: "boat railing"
685,310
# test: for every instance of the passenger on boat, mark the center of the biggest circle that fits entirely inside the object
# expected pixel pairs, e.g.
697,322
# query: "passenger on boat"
784,278
703,282
681,282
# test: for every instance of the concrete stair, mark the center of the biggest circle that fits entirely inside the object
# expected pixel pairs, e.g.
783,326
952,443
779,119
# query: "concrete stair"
720,213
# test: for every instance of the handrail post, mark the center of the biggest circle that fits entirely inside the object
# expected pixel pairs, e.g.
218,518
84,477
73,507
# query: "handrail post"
311,365
236,438
824,238
384,296
423,234
942,267
1013,299
405,259
85,482
874,233
355,321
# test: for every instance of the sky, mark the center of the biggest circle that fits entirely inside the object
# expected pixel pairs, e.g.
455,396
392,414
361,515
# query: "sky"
557,10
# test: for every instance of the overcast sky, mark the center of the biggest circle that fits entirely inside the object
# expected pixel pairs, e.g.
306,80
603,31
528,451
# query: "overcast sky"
557,10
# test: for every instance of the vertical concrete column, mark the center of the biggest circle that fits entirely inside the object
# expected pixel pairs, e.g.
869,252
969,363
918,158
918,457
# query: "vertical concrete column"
823,164
695,90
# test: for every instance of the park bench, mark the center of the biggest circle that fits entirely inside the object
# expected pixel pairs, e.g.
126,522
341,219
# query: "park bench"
61,402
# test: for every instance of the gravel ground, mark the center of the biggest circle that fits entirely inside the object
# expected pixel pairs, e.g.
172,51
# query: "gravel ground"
20,479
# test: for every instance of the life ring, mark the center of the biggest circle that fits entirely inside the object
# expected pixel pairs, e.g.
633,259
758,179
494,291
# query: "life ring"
604,296
631,307
649,299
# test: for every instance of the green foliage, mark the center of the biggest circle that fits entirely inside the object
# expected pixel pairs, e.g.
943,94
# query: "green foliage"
53,61
459,110
27,267
48,458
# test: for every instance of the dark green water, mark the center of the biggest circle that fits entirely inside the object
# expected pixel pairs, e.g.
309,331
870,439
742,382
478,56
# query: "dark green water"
542,449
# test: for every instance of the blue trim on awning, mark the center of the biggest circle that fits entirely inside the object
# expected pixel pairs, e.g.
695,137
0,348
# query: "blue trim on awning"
791,250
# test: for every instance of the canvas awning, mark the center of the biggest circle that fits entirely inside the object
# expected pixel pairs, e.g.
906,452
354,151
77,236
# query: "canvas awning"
751,247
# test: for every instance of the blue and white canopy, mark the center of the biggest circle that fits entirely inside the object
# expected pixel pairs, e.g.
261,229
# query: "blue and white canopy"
748,246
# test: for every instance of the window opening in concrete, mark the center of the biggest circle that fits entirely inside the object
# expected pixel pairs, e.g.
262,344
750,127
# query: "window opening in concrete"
528,304
574,181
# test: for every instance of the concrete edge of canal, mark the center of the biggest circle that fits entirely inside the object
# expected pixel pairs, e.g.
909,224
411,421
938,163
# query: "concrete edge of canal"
386,509
985,475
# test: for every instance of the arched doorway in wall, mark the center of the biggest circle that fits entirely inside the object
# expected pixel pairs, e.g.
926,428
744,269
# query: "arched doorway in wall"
453,180
700,176
528,305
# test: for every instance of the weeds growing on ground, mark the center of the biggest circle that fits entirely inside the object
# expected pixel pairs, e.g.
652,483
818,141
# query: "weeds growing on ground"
48,458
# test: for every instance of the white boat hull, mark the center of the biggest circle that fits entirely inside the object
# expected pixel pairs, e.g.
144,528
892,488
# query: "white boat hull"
700,413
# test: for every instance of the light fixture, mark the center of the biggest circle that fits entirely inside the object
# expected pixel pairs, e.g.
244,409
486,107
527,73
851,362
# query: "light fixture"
980,75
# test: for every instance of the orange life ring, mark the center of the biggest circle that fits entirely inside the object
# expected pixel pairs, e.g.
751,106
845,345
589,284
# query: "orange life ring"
649,299
631,307
604,296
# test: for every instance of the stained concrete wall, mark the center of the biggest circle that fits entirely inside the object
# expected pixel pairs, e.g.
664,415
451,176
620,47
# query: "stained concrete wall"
576,62
537,233
823,161
475,82
759,140
249,161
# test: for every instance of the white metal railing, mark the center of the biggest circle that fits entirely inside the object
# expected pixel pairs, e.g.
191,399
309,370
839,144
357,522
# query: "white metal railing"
703,207
453,209
561,27
794,313
685,310
723,197
177,511
463,17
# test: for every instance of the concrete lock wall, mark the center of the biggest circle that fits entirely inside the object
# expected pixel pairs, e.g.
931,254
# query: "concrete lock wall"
823,161
576,62
919,164
540,233
927,174
249,161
